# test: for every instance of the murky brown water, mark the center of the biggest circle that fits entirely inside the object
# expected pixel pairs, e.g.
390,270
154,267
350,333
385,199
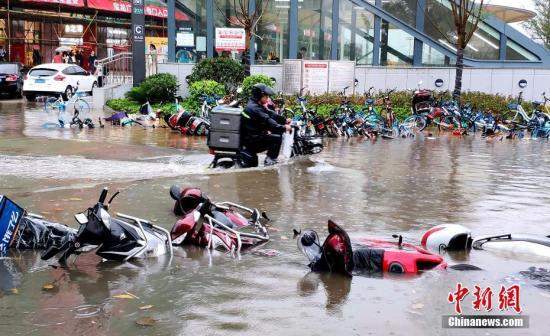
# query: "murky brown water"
376,189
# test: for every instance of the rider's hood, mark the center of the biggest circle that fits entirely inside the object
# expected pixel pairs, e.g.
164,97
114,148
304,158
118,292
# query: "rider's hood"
447,237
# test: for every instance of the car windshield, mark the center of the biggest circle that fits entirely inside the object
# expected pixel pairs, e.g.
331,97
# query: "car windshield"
42,72
8,68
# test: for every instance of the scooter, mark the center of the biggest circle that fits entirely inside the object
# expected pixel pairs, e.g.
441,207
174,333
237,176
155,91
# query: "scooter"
120,239
366,256
223,226
454,237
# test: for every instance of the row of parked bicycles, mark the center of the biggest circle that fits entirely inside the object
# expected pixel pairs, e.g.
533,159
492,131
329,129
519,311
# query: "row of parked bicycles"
377,118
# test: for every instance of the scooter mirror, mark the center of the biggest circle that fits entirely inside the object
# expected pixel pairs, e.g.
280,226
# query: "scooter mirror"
81,218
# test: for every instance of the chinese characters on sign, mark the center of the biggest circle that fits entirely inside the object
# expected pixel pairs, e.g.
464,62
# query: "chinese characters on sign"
508,298
230,39
315,76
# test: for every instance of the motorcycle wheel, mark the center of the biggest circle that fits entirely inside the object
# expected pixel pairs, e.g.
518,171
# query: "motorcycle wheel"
316,149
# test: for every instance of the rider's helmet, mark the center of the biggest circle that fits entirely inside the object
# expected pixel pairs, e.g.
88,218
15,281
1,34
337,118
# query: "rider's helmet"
447,237
187,199
259,90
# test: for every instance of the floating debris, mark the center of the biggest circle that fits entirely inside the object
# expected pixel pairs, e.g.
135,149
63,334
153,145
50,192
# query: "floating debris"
146,321
126,296
48,287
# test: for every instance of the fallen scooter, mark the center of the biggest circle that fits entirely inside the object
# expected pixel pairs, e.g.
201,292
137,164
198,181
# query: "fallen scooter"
368,256
222,226
454,237
120,239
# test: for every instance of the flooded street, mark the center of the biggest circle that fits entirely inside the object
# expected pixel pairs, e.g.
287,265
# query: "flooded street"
403,186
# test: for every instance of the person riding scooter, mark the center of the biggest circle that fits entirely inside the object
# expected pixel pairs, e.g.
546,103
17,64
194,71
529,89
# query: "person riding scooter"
261,128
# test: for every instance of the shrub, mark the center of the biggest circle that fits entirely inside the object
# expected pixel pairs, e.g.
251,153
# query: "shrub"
202,88
220,69
161,87
251,81
136,94
123,105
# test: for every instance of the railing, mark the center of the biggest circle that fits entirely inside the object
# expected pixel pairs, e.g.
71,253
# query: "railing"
117,69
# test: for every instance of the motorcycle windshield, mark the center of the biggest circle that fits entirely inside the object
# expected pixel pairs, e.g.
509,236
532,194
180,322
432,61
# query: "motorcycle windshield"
308,244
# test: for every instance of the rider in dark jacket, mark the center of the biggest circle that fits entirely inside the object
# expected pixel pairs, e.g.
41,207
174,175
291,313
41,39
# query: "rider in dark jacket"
261,128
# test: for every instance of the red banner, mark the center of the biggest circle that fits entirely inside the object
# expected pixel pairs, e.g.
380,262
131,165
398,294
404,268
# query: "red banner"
73,3
158,9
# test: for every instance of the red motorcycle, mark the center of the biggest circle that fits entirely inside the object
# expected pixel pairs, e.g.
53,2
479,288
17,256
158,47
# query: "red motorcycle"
225,226
367,256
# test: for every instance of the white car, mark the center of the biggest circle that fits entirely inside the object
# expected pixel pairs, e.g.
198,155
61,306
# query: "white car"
54,79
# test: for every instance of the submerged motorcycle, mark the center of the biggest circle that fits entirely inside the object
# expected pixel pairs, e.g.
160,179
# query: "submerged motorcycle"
224,226
366,256
121,239
454,237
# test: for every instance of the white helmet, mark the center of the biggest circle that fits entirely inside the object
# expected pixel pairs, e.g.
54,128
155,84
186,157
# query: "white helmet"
447,237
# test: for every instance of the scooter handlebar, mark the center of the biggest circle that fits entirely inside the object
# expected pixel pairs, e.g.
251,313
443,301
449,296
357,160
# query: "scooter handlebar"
103,195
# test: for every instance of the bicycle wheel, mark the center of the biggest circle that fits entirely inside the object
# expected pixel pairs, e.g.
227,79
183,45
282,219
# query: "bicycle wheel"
83,108
52,105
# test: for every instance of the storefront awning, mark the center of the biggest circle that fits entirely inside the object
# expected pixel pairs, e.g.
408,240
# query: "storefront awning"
72,3
154,8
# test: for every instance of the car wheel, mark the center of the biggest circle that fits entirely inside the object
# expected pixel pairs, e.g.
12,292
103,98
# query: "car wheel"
30,97
68,93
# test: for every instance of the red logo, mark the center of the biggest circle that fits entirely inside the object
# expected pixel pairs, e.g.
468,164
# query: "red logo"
508,298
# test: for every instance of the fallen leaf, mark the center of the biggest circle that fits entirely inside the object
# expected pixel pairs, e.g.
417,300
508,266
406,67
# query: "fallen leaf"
284,238
75,199
15,291
48,286
44,212
146,307
146,321
58,209
418,306
125,296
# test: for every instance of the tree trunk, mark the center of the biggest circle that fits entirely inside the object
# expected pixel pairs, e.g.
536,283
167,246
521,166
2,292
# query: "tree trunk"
459,70
246,53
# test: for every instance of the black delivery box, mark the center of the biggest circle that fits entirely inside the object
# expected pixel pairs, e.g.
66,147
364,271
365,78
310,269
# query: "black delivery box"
225,124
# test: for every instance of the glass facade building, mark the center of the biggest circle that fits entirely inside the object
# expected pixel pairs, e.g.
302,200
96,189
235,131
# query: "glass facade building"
369,32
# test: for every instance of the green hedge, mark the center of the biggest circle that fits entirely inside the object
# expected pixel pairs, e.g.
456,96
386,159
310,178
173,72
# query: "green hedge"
223,70
198,89
250,81
130,106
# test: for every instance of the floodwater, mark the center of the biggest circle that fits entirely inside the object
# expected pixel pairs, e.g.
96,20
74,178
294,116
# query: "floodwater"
403,186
